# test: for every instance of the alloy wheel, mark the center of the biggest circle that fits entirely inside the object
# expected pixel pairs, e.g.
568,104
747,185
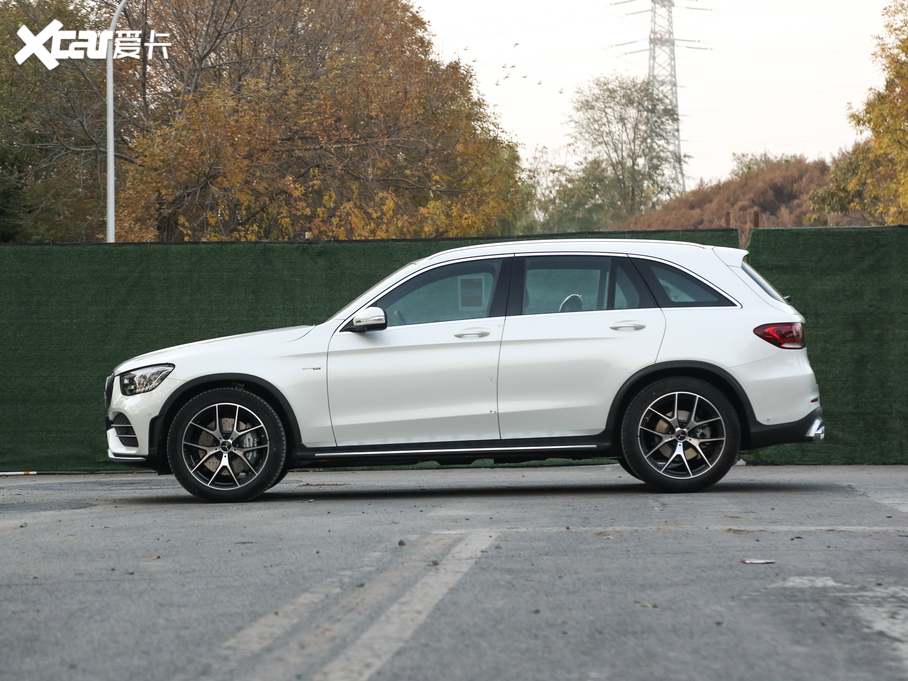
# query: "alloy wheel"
682,435
225,446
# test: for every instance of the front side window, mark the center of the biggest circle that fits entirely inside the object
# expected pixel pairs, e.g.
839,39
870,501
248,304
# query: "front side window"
447,293
580,283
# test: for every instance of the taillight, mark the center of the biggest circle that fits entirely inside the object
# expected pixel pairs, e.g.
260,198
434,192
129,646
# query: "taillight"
788,335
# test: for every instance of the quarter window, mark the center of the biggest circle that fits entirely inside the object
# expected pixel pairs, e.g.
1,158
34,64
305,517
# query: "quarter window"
762,283
674,288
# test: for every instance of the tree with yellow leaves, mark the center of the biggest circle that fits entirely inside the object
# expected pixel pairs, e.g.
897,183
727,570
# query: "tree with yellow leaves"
869,182
273,119
336,120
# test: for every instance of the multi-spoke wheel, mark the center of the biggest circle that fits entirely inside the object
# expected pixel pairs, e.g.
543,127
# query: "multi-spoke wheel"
680,435
227,445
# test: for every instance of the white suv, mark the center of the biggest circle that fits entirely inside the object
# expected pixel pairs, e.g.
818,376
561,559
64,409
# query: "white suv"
668,357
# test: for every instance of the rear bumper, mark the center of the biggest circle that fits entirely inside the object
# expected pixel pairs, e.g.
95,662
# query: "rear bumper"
808,429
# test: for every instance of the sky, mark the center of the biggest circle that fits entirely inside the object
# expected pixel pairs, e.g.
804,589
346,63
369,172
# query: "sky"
764,75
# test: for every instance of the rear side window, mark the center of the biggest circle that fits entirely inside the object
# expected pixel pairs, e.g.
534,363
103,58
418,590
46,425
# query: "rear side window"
577,283
676,288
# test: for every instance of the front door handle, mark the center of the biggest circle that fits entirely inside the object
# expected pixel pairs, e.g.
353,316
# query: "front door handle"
628,326
479,333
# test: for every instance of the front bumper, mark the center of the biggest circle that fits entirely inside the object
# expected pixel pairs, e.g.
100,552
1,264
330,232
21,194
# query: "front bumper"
131,435
127,456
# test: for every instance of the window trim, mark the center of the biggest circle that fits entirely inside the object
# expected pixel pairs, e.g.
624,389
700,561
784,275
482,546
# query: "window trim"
616,261
642,265
499,295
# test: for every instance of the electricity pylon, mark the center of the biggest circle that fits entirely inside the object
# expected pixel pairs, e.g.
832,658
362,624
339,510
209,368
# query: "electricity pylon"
663,73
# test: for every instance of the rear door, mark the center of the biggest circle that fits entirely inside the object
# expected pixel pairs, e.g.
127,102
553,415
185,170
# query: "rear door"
577,327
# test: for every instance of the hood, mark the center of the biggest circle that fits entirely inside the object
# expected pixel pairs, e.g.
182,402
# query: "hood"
241,341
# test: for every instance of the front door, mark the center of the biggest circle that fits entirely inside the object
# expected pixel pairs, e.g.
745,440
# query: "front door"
431,376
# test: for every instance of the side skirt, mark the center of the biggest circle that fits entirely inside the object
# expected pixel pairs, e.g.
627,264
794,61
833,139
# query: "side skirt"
450,453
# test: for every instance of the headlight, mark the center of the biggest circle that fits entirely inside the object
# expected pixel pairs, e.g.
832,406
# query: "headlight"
143,380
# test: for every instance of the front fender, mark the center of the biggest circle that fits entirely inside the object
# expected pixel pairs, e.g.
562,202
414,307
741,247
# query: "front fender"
264,389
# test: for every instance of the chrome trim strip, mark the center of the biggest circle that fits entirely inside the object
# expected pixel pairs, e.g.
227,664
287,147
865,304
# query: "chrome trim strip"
463,450
125,459
817,431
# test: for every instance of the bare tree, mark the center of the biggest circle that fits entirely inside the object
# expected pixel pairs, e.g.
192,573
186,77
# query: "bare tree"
625,125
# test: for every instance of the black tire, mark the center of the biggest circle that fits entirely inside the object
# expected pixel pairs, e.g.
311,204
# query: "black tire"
227,445
680,435
626,468
282,474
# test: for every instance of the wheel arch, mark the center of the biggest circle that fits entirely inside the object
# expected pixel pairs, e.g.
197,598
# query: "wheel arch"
715,376
157,445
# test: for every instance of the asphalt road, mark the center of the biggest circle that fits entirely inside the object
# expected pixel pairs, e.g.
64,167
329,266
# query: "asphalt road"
545,574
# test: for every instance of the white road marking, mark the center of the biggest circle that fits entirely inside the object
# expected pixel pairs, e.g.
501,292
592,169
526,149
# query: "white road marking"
263,632
807,583
309,649
883,609
395,627
899,504
668,526
266,630
889,491
887,613
249,644
460,512
305,633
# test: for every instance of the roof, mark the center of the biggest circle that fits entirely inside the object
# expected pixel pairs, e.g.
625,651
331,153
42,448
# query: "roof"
651,247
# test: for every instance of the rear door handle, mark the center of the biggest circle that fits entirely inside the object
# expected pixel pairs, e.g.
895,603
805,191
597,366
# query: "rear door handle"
628,326
479,333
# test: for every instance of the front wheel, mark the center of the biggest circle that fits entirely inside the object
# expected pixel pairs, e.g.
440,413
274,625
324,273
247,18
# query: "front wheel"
626,468
227,445
680,435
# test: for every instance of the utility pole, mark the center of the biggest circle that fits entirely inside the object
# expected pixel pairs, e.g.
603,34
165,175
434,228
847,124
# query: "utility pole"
663,73
111,153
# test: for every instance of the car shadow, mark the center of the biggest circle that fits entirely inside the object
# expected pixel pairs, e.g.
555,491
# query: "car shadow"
293,492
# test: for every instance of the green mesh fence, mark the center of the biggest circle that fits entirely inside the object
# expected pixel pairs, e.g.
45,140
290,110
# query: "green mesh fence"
851,286
69,314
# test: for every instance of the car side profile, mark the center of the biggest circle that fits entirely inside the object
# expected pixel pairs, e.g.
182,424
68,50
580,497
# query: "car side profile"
669,357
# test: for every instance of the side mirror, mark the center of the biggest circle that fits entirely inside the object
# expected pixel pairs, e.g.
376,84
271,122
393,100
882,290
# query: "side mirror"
370,319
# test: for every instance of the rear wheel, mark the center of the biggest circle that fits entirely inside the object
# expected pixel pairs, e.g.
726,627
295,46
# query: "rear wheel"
227,445
680,435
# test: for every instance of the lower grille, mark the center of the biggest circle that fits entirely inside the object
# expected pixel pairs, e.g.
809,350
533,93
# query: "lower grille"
125,432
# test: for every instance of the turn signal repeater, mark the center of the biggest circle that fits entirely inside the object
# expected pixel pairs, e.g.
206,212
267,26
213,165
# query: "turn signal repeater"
787,335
